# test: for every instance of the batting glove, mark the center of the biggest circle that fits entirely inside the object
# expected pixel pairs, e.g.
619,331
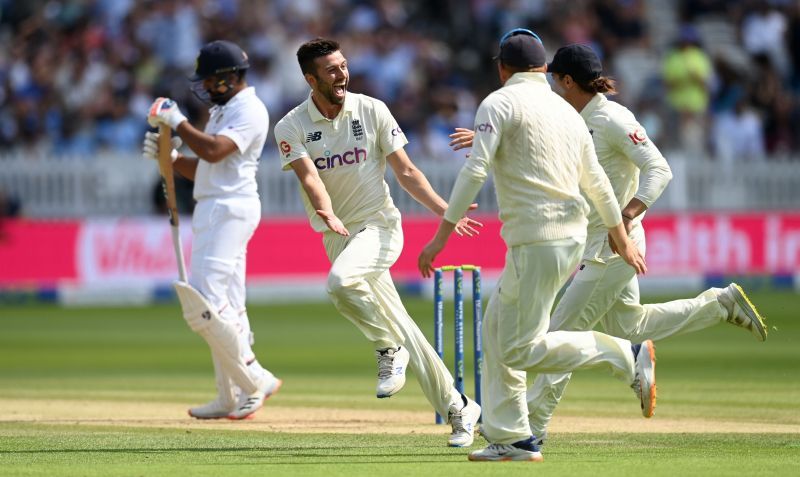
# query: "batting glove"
150,146
165,111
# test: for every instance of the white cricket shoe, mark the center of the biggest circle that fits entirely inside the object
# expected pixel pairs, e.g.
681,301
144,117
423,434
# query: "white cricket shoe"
644,381
742,312
249,404
392,364
217,409
526,450
463,421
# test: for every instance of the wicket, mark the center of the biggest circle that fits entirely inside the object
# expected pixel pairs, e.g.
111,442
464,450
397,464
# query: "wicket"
438,323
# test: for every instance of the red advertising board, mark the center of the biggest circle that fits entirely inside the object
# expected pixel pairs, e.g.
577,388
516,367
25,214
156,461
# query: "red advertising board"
139,250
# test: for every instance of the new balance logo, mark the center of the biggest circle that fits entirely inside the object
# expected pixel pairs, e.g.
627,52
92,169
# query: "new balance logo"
314,136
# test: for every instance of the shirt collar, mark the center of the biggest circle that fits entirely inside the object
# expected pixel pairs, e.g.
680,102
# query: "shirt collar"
241,96
527,76
316,115
596,103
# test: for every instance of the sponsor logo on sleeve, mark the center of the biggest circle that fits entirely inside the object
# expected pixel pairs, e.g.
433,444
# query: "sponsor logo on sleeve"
485,127
637,137
286,148
397,131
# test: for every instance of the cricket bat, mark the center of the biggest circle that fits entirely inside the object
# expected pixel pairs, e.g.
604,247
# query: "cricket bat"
168,183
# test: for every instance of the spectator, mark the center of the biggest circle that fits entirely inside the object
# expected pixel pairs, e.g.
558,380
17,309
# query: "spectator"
738,135
73,73
687,71
763,32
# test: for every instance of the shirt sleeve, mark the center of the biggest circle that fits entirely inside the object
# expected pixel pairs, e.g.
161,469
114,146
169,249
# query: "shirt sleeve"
494,114
290,144
390,136
244,128
595,184
630,139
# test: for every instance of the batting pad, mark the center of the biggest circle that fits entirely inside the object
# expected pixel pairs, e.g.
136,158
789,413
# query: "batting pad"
220,335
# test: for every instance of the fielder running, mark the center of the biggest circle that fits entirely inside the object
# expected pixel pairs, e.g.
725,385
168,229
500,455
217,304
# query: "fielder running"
338,143
605,289
227,213
542,158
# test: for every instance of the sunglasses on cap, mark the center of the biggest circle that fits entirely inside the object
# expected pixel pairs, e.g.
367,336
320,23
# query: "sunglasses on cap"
519,31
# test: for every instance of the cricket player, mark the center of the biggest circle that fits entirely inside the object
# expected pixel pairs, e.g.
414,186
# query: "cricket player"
338,143
605,289
542,158
227,213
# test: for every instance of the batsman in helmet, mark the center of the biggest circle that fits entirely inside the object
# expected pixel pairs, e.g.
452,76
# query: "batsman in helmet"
228,210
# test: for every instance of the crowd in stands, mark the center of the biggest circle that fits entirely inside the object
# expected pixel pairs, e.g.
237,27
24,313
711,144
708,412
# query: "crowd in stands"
718,77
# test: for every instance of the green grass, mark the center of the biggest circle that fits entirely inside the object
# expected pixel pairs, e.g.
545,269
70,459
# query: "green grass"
49,450
149,355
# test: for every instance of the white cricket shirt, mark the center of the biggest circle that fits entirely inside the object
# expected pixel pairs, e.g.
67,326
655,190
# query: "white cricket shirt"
349,152
542,157
245,121
633,164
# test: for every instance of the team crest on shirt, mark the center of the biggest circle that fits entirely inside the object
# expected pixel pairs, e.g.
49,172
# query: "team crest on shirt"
358,130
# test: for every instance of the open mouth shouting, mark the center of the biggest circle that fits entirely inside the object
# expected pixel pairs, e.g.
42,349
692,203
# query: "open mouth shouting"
339,90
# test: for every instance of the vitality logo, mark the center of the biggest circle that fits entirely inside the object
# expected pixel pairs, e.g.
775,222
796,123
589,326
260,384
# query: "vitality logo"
349,157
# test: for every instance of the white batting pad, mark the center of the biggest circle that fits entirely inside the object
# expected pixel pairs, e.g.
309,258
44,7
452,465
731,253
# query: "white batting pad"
220,335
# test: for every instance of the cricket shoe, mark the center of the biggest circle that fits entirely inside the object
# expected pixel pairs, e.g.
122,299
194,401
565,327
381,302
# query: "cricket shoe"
463,421
216,409
526,450
392,364
249,404
742,312
644,380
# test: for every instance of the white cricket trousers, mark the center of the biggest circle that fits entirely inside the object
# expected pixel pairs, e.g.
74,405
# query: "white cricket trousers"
222,227
361,288
516,341
607,292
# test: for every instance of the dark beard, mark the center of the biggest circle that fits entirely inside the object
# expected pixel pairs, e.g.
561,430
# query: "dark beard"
327,92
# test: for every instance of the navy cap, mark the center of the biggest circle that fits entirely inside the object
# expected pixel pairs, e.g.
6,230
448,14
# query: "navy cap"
219,57
578,61
521,48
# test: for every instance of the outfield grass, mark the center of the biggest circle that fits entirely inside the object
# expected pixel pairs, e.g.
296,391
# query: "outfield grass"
114,356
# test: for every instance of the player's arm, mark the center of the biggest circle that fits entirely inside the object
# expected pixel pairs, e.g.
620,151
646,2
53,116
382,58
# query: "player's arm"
317,193
595,184
211,148
413,181
631,140
492,117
